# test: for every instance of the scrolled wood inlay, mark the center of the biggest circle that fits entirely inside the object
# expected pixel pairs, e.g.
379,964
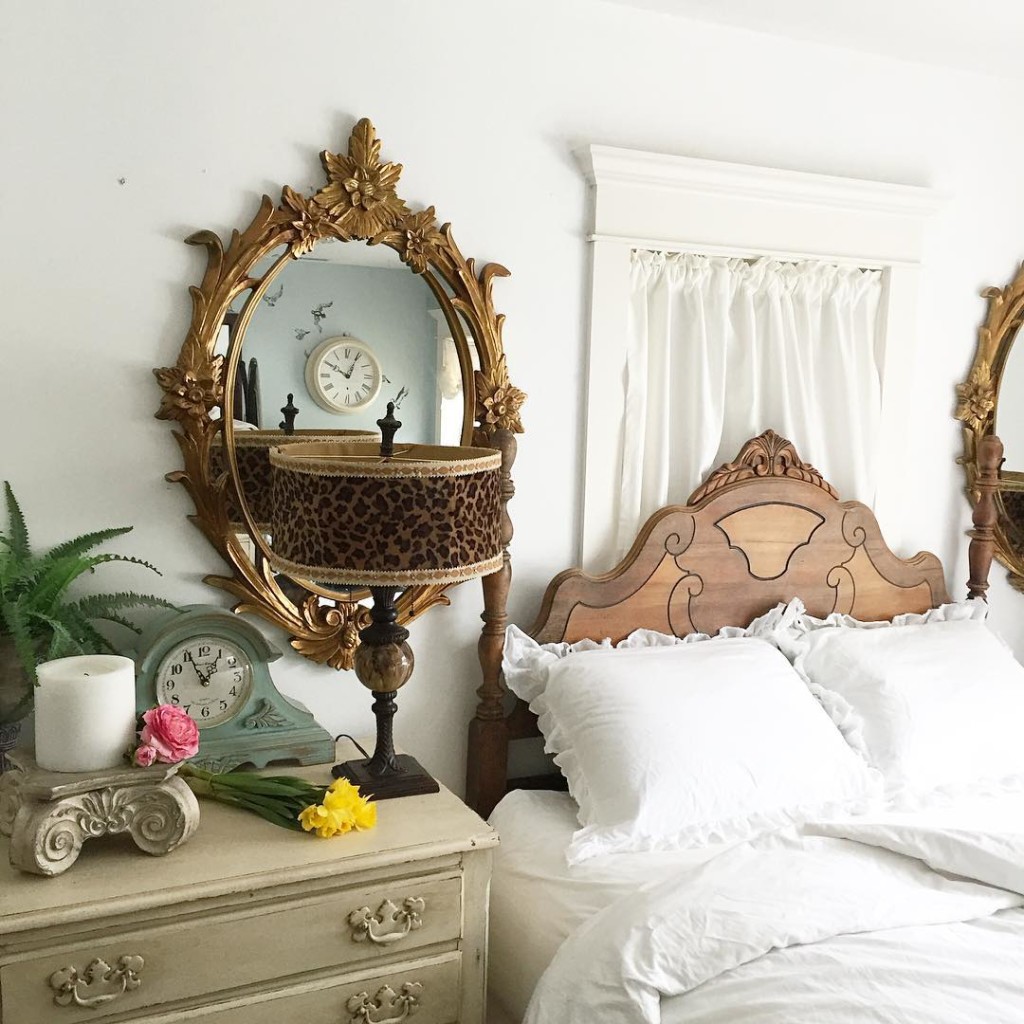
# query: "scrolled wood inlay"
97,984
390,923
387,1006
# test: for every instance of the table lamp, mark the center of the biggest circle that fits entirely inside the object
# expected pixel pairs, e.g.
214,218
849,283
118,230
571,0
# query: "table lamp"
347,517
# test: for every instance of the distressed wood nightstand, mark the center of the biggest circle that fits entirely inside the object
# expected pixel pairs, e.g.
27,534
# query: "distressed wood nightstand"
251,924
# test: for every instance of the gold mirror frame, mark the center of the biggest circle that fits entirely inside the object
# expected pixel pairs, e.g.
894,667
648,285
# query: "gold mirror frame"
977,402
359,203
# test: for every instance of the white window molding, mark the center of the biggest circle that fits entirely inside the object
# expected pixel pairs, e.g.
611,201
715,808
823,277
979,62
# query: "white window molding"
682,204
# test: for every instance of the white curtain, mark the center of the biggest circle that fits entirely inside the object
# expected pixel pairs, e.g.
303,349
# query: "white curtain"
722,349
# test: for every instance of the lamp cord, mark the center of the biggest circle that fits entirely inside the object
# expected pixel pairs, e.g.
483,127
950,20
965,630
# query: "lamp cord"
352,740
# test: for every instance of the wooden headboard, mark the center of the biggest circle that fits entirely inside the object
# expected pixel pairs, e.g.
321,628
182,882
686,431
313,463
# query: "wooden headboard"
760,530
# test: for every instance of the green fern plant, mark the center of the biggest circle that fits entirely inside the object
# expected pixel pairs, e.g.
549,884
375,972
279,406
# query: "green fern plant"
38,619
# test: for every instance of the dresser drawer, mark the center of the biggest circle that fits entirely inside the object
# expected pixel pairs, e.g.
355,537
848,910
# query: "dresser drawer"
147,967
423,993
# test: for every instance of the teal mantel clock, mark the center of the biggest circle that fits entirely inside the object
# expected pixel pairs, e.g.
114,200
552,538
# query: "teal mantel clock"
214,666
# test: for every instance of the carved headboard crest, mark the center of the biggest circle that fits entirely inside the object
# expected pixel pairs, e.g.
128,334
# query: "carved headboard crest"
768,454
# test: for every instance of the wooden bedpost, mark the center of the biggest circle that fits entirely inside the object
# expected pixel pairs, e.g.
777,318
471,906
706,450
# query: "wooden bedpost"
487,753
983,536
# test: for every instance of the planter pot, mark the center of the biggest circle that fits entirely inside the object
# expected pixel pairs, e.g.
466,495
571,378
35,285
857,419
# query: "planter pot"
9,735
15,699
15,688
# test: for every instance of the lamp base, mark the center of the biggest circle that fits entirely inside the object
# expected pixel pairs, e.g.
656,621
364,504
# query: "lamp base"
410,779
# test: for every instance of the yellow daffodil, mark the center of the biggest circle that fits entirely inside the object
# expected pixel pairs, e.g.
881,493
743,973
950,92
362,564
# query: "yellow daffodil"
343,809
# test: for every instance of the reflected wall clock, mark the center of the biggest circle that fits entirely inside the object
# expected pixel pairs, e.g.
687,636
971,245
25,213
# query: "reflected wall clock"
343,375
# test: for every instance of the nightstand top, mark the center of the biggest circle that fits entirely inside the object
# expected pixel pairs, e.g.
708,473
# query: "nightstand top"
234,851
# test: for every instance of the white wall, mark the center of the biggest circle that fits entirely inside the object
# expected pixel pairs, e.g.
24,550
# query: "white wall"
202,106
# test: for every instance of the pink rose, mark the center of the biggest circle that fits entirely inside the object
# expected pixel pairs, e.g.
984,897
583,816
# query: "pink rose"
144,756
171,733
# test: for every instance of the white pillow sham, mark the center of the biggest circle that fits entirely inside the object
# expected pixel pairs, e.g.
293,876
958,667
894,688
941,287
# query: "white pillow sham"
935,702
673,743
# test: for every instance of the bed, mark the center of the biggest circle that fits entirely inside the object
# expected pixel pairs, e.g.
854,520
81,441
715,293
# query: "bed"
760,531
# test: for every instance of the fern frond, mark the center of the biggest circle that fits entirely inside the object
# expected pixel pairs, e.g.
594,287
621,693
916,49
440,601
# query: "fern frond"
17,540
88,541
35,616
63,643
16,626
90,638
99,606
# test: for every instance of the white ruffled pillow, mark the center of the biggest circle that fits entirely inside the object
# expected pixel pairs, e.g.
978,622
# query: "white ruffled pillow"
935,702
672,743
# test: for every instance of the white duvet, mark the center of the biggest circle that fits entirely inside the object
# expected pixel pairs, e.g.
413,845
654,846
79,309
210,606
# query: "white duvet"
898,922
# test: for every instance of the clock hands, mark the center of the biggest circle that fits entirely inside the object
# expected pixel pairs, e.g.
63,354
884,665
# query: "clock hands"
204,680
351,369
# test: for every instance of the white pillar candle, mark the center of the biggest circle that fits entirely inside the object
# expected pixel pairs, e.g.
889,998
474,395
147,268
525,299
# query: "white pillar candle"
85,712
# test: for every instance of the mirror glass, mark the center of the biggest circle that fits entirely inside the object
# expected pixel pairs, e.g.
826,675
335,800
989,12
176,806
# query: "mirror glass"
1009,415
331,339
344,330
1009,426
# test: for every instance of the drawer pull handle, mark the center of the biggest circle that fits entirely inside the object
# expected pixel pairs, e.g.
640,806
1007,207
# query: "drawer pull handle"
387,1000
99,983
390,923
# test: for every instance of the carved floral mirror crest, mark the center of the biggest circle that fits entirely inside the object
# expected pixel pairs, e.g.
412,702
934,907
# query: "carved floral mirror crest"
358,204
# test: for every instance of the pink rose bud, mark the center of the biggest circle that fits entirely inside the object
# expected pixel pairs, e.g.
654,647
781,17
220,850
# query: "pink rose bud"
171,733
144,756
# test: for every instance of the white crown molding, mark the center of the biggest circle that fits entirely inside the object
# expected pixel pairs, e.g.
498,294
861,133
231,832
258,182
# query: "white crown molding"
610,165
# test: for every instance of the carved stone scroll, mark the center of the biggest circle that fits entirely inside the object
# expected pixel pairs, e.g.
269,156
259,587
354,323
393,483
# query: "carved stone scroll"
54,817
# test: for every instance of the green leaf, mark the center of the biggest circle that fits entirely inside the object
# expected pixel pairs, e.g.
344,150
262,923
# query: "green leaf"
80,545
18,539
35,616
17,628
106,606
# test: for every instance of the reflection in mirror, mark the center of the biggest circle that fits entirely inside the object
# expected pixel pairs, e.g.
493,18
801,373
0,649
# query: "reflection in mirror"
346,329
1009,424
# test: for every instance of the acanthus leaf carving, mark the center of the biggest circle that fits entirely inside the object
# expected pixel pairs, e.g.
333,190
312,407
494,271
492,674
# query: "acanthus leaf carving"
976,398
266,716
361,189
767,455
499,401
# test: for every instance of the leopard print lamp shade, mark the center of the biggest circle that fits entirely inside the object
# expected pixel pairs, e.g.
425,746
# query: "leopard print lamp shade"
426,514
253,463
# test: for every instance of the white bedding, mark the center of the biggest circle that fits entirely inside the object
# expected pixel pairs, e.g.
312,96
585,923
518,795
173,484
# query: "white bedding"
538,900
903,919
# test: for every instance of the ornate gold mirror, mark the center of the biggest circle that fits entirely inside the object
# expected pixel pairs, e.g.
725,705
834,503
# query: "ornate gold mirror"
988,405
322,310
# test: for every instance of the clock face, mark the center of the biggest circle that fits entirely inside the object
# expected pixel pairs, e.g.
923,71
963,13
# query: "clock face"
208,677
343,375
